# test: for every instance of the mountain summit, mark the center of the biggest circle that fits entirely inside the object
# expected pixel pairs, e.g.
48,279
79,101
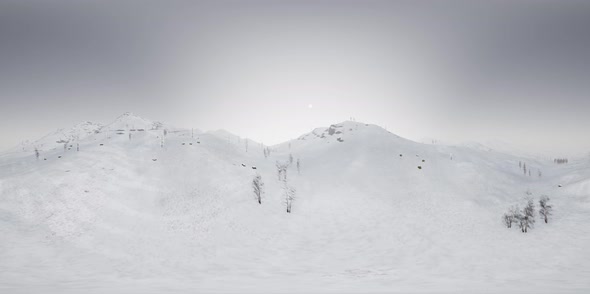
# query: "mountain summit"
128,120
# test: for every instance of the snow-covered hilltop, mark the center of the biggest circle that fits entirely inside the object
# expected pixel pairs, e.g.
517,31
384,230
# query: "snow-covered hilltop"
61,136
129,121
137,205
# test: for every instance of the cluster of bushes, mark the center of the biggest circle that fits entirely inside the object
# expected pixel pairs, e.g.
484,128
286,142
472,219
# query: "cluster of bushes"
525,218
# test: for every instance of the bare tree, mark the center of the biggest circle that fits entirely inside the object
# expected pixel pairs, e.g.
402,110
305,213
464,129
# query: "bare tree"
512,216
266,152
279,169
282,170
36,153
288,191
290,158
507,220
298,167
285,167
289,195
527,218
258,187
545,210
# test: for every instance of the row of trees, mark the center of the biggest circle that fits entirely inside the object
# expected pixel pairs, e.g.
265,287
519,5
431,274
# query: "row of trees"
526,170
38,152
525,218
288,190
560,160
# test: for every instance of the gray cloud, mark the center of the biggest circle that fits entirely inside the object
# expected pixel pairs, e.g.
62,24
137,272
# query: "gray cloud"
453,70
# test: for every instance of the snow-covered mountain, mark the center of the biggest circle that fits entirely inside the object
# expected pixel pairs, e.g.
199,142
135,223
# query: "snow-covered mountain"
503,147
129,121
164,210
60,137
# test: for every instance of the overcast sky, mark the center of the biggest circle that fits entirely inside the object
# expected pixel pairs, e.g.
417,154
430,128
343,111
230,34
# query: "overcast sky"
517,71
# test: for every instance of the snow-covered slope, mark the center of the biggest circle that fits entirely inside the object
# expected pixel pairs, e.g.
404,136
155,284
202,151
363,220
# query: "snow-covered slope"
64,136
156,212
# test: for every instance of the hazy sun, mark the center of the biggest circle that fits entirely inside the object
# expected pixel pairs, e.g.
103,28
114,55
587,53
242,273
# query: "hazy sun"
309,106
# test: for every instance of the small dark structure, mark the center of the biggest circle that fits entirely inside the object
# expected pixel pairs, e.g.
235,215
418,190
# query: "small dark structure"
243,165
559,185
423,160
419,167
154,159
400,155
59,156
253,167
190,144
183,143
101,144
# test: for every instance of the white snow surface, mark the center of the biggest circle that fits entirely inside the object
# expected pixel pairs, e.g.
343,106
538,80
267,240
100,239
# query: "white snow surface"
131,216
